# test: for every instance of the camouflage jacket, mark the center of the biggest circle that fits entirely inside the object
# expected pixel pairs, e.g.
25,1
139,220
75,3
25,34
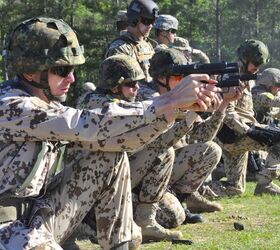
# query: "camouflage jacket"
129,141
203,130
240,113
128,44
264,102
30,127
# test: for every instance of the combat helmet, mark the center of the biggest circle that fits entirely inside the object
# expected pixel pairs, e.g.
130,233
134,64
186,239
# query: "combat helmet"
166,22
269,77
253,51
121,16
163,60
141,9
117,70
40,43
181,44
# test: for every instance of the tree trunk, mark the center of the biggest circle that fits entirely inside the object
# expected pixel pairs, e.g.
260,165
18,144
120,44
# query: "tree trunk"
218,30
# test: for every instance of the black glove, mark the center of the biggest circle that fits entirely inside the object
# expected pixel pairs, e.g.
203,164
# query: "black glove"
266,137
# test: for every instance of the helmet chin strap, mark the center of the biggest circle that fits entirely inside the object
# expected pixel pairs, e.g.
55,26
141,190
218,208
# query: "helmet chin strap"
245,66
166,86
44,85
166,36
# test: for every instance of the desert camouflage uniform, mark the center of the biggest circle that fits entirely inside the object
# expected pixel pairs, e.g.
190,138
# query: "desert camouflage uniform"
239,116
264,102
193,162
128,44
32,127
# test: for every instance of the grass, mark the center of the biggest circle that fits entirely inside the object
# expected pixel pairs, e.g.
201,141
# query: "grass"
259,215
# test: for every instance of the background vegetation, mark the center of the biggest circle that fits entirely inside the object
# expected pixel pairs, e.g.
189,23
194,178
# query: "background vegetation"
215,26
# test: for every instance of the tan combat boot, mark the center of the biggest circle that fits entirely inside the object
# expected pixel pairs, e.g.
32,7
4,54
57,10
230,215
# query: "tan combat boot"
196,203
151,230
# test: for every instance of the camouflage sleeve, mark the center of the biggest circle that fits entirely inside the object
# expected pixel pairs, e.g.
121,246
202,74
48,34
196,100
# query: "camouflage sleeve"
201,56
233,119
207,129
174,134
120,47
267,99
29,118
128,141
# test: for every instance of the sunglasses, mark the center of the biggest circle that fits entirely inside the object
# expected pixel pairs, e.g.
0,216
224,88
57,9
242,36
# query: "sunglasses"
173,31
147,21
62,71
131,84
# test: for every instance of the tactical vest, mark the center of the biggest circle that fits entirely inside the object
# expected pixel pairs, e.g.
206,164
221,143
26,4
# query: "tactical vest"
143,51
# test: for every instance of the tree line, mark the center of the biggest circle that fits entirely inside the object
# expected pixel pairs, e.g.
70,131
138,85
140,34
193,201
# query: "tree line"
215,26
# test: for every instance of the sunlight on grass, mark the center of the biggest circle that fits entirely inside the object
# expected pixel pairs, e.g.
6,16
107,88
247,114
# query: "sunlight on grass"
259,215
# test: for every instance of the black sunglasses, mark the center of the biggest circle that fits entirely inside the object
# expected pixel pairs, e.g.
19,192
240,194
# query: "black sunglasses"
147,21
62,71
131,84
173,31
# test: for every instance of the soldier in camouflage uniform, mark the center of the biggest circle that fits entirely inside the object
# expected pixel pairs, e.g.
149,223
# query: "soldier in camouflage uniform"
193,162
40,203
265,96
238,135
121,21
166,27
183,45
141,15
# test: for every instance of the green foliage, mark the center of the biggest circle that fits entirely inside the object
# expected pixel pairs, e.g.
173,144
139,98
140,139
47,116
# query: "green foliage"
259,215
94,21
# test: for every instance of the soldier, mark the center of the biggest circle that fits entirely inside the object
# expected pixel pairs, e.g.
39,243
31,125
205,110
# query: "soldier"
183,45
265,96
41,204
121,22
166,27
193,162
141,15
239,134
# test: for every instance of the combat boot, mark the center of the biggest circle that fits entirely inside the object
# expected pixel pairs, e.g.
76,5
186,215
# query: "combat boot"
121,246
269,188
70,244
151,230
192,218
196,203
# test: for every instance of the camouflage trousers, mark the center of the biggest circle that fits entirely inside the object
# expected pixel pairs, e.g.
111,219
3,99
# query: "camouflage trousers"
151,169
89,179
192,165
235,158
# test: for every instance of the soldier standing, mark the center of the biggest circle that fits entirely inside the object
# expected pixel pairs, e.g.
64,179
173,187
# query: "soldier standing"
183,45
141,15
166,27
239,134
41,205
121,22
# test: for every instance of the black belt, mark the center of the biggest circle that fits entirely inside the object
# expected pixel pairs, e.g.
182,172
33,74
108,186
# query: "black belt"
14,208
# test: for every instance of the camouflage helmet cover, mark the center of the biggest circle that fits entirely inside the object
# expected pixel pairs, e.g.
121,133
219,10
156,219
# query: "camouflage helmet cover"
163,60
253,51
141,8
121,16
181,44
40,43
119,69
269,77
166,22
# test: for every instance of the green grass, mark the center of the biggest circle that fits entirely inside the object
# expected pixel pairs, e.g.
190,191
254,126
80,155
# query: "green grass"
259,215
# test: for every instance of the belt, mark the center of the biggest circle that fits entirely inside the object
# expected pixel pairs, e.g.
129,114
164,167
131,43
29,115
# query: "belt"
14,208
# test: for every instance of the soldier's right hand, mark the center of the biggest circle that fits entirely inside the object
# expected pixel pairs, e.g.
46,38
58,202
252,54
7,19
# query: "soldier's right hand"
195,94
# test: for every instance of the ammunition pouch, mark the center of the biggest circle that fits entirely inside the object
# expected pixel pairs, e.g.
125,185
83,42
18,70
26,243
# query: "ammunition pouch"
14,208
227,135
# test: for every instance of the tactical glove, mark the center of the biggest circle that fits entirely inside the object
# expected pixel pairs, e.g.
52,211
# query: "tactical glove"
264,136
